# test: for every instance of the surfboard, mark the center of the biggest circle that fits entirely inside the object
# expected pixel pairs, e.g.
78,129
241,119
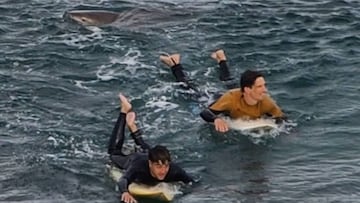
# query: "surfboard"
162,191
251,125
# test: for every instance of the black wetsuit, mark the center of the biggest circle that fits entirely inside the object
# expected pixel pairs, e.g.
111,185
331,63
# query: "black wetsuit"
224,75
136,164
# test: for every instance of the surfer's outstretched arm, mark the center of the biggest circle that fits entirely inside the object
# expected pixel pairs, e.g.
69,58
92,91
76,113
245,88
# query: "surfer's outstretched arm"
211,116
123,185
213,111
117,137
179,174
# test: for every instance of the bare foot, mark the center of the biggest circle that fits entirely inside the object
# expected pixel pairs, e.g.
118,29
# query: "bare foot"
130,121
170,60
130,118
214,56
125,104
219,55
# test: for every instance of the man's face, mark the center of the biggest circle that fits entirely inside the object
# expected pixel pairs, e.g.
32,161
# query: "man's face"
159,169
258,90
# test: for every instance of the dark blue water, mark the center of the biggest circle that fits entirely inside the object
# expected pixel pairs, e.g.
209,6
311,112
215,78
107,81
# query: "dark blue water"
60,80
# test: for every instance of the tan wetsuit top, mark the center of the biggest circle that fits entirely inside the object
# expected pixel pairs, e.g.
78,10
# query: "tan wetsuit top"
234,105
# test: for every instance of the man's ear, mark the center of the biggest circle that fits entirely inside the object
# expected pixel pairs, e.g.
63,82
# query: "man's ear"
247,89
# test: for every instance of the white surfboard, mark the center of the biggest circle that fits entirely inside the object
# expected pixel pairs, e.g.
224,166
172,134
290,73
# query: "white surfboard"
251,125
162,191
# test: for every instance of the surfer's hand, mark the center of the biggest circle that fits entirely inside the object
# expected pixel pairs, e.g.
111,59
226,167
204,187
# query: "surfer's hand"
220,125
127,198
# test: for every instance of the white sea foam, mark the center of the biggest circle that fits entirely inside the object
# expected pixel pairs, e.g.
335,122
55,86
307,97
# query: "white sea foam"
160,104
74,39
112,69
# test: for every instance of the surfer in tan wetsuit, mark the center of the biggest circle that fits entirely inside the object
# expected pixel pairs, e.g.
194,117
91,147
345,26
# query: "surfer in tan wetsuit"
250,101
150,166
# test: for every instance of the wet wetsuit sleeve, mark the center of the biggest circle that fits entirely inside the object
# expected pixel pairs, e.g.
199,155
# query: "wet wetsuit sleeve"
216,108
136,171
278,115
276,112
123,185
126,179
179,174
209,115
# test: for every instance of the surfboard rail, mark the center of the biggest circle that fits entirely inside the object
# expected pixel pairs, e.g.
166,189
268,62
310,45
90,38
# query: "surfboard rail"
250,125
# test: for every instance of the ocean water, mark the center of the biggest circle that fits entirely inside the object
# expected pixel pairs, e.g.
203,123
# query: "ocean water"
59,83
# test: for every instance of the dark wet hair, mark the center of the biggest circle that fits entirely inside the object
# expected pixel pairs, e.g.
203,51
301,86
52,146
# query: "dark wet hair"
248,78
159,153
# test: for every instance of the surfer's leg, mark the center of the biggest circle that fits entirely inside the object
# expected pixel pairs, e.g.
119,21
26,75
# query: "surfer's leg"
224,73
173,61
117,137
136,133
124,161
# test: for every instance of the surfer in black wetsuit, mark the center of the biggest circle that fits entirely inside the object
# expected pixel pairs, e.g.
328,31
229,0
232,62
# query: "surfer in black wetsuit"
150,166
